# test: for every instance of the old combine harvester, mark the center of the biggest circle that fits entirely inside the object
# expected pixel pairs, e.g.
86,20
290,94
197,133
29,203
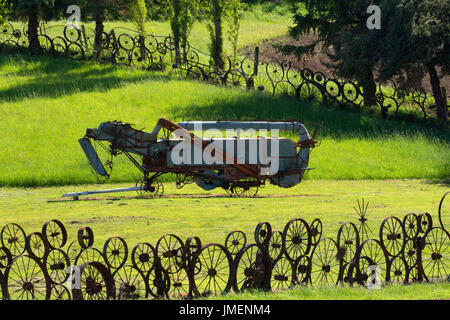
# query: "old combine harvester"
238,165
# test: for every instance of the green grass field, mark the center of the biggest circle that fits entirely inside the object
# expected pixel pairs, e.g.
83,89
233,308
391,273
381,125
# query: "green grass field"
48,103
211,216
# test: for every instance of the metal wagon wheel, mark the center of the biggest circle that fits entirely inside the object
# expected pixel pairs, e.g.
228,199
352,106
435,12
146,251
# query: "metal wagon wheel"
115,252
315,229
372,254
180,284
126,42
425,222
297,238
57,263
85,237
5,257
283,275
262,233
143,256
59,45
72,34
36,245
435,255
410,253
214,276
441,210
347,241
235,242
391,236
325,265
397,270
55,233
193,246
73,250
96,283
59,292
130,283
90,254
275,245
26,279
13,238
6,31
75,51
411,226
171,255
302,269
252,268
151,188
158,282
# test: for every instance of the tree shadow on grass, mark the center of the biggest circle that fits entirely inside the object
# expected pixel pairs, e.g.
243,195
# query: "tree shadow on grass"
335,123
56,76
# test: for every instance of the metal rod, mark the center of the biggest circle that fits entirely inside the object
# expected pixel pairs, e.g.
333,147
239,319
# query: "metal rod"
75,195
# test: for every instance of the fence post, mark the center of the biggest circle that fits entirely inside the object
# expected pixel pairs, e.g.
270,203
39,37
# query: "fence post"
84,37
255,67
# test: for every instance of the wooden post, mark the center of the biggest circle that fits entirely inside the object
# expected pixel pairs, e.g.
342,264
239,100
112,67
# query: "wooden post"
255,67
444,99
84,37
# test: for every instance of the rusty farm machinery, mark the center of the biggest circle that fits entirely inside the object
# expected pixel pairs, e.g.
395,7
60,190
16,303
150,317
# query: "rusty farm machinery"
239,165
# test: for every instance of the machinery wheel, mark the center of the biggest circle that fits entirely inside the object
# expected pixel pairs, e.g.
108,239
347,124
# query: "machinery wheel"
151,188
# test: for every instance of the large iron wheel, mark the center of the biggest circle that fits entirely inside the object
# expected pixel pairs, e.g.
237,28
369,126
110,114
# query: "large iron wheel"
235,242
435,255
115,252
297,238
143,256
347,241
130,283
325,265
252,268
57,263
13,238
391,236
214,271
171,255
282,276
96,283
55,233
26,279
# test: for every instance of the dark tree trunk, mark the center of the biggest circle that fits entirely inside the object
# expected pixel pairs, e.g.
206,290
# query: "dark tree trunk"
370,92
99,29
33,25
218,52
176,29
441,107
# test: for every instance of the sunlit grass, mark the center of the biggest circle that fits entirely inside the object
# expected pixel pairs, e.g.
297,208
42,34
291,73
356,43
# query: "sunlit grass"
48,103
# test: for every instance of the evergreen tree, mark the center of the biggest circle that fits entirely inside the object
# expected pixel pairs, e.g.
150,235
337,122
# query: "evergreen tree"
418,43
341,28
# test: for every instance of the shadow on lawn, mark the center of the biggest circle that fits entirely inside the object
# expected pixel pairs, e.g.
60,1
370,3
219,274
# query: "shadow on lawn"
336,123
57,76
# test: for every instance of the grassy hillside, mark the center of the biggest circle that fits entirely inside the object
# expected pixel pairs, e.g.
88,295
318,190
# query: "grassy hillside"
48,103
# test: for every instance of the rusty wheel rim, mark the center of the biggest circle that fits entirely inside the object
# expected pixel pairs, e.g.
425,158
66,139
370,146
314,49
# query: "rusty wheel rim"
143,256
391,236
215,271
130,283
13,238
55,233
325,265
297,238
115,252
282,277
235,242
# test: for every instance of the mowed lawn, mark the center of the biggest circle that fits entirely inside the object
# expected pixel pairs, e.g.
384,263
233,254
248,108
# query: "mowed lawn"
47,104
211,216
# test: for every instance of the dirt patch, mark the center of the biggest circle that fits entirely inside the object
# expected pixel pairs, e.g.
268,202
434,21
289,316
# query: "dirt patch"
178,196
317,61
